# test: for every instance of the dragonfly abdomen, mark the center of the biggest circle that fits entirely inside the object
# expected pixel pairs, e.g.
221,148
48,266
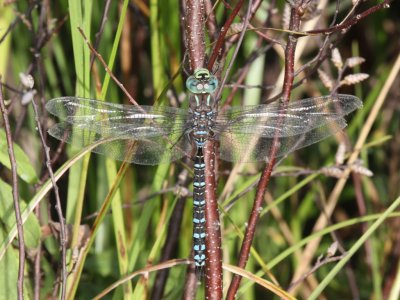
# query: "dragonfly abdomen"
199,220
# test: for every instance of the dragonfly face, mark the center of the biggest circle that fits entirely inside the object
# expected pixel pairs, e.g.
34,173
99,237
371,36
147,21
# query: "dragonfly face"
202,82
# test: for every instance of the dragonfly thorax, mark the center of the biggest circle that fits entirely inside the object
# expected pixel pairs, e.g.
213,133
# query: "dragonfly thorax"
203,118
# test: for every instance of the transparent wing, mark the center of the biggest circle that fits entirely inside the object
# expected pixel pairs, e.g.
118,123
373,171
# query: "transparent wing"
247,134
143,135
111,117
237,146
266,120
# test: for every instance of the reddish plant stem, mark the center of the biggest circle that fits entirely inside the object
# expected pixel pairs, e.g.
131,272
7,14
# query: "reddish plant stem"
252,222
254,7
195,33
345,25
266,175
220,42
242,76
213,274
235,53
15,193
211,21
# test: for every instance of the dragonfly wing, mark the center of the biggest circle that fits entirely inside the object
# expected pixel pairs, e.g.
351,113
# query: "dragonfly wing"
299,116
242,147
112,117
143,135
149,150
247,134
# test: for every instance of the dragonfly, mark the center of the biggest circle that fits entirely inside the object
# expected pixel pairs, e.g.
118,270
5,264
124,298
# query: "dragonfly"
150,135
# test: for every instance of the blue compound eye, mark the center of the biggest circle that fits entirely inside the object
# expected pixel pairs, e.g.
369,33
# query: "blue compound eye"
202,82
194,85
211,85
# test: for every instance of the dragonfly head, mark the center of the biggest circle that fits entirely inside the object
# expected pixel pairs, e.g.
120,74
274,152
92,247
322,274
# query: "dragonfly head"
202,82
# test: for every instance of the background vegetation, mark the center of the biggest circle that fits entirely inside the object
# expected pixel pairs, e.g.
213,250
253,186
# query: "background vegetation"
313,214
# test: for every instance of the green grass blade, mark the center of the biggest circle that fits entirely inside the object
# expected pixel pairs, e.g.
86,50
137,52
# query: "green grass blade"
80,16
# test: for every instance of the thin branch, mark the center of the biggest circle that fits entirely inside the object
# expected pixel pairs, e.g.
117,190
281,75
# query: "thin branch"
354,20
99,34
220,42
211,21
263,36
235,53
14,23
41,37
58,207
248,86
318,264
21,241
121,86
243,73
